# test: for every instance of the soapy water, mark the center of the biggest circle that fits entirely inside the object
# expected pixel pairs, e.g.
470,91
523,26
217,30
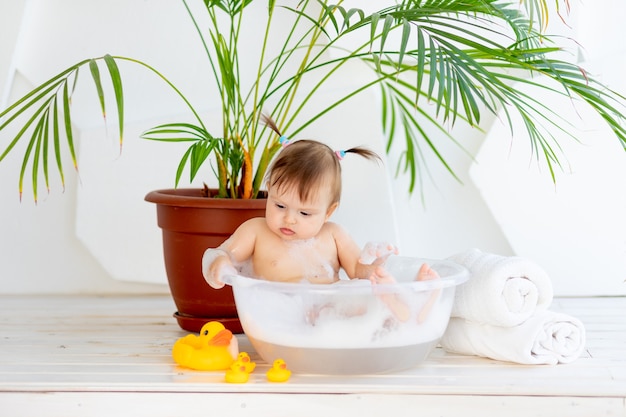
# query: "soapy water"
330,317
345,361
348,327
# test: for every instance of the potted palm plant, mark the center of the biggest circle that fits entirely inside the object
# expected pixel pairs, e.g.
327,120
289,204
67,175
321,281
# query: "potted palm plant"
464,58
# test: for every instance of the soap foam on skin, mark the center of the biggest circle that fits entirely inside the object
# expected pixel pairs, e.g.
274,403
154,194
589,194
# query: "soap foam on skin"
303,251
315,266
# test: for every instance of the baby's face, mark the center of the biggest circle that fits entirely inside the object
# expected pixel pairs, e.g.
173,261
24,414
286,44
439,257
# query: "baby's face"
293,219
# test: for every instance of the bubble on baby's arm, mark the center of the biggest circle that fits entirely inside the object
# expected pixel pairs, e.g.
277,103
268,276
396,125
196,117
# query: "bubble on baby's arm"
375,250
246,268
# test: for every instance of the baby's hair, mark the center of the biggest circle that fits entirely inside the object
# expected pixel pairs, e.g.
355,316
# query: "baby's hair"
308,165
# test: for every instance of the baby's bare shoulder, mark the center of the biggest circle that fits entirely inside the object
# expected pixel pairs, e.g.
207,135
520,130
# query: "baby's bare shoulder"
334,228
256,223
250,229
333,231
258,228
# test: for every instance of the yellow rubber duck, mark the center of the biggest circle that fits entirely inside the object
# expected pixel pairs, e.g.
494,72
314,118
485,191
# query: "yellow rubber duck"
278,372
237,373
245,358
214,349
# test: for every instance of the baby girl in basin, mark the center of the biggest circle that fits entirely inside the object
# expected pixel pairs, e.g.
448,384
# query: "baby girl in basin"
295,241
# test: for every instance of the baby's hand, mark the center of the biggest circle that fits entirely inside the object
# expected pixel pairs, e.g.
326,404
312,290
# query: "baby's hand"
376,253
381,276
221,267
215,265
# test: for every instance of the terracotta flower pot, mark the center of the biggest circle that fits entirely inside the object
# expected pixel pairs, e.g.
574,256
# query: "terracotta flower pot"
191,223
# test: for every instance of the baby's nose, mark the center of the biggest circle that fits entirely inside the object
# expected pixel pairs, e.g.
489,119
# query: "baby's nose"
290,218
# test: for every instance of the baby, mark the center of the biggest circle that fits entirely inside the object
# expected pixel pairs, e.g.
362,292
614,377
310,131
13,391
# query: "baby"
295,240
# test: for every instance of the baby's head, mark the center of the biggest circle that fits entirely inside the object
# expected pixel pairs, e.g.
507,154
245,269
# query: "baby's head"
310,167
307,167
304,188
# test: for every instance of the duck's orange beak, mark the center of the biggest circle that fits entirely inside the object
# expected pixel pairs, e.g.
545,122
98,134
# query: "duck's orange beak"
222,338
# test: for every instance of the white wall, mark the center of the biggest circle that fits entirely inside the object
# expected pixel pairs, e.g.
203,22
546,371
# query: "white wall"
71,245
575,229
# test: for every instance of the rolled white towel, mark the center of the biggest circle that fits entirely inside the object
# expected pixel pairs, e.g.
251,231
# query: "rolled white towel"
547,338
503,291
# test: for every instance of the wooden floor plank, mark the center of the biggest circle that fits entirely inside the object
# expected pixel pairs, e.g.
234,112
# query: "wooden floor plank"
304,405
69,354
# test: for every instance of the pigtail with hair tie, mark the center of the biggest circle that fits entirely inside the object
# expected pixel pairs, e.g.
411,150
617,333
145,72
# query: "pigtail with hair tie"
269,122
284,140
365,153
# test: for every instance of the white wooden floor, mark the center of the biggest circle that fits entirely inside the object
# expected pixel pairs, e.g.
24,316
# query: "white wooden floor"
110,356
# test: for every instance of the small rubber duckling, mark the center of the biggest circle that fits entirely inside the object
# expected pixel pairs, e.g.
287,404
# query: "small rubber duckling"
245,358
237,373
214,349
278,372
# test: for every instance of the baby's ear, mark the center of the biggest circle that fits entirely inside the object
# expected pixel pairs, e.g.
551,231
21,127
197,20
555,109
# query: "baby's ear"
331,210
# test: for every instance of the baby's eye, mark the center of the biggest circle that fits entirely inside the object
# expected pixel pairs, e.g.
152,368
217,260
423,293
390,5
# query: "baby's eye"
280,206
304,213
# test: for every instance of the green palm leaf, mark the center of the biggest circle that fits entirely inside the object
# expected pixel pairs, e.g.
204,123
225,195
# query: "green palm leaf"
466,58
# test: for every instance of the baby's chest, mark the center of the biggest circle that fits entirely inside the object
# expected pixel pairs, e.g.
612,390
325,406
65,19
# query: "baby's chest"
295,262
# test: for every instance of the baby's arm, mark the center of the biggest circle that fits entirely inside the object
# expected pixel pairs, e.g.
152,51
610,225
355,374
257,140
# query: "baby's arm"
368,264
218,262
354,261
372,260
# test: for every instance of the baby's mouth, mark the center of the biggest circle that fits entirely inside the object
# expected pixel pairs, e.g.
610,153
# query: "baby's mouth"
287,232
